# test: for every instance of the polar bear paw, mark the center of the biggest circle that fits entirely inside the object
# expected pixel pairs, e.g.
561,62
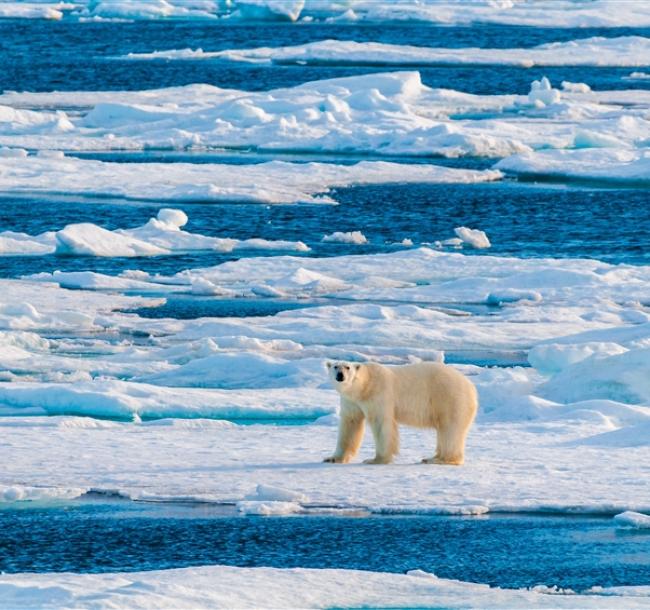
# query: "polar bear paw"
334,459
439,460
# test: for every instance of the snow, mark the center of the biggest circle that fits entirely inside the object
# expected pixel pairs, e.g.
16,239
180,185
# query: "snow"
230,587
596,51
623,377
349,237
112,398
160,236
271,182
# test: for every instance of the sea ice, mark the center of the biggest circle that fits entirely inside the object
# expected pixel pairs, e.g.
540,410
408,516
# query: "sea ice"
232,587
272,182
637,520
349,237
617,165
596,51
375,114
160,236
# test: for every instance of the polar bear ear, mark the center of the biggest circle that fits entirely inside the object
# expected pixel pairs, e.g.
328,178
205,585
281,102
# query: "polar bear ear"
328,364
357,367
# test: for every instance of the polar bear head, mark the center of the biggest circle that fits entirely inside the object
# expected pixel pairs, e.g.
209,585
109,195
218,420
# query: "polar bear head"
343,374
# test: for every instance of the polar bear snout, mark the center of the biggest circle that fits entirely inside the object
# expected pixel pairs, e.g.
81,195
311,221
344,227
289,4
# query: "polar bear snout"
340,377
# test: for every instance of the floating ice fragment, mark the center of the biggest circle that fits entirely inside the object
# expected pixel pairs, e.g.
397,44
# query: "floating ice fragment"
473,237
351,237
254,507
638,520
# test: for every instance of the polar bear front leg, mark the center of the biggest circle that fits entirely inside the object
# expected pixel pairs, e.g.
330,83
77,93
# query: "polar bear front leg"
386,434
351,429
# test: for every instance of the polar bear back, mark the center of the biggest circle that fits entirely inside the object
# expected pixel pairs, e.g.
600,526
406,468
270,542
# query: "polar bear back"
427,394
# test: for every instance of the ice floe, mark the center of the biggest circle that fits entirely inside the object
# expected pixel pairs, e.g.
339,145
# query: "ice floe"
232,587
160,236
617,165
272,182
375,114
637,520
596,51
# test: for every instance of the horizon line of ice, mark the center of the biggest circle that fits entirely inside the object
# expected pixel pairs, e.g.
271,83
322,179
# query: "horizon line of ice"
541,13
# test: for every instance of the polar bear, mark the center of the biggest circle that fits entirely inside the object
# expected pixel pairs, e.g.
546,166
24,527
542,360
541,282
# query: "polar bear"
425,395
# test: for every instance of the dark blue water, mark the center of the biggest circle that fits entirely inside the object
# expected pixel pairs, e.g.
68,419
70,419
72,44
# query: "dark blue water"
45,55
521,220
502,550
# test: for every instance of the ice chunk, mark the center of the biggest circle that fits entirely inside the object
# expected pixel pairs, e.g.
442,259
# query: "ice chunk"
350,237
91,240
268,507
541,93
638,520
473,237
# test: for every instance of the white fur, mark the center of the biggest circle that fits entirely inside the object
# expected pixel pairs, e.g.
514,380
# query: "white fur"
424,395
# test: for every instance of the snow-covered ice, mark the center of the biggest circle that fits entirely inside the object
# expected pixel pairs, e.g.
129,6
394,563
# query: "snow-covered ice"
596,51
539,13
229,587
377,114
617,165
161,235
583,323
633,519
271,182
